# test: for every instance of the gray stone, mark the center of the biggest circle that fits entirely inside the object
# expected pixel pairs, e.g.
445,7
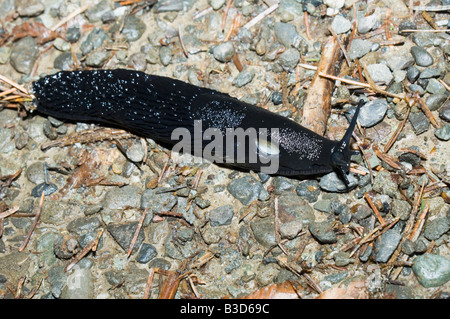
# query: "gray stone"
288,36
386,245
35,173
282,184
133,28
444,112
123,198
64,61
224,52
135,152
323,205
292,207
435,87
57,279
165,55
94,40
380,73
419,122
341,24
421,56
29,8
123,234
443,133
163,202
83,225
244,77
289,58
430,73
217,4
291,229
400,62
221,216
323,232
359,48
372,112
384,184
24,54
436,228
310,190
247,189
431,270
264,231
434,101
342,259
412,74
4,54
331,182
146,253
95,12
366,24
400,208
97,59
79,285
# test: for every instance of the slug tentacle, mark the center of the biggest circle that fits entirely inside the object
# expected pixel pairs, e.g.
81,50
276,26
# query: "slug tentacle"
155,107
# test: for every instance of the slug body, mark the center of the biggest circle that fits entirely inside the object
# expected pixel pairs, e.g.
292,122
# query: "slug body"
154,106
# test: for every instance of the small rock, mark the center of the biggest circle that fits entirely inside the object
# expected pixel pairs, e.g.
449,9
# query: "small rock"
430,73
288,36
221,216
444,112
419,122
247,189
138,61
400,62
84,225
35,173
380,73
341,24
386,245
123,198
97,59
342,259
434,101
372,112
293,207
64,62
332,182
289,58
435,87
282,184
133,28
264,231
73,34
323,205
94,40
384,184
135,152
95,12
244,77
146,253
400,208
24,54
436,228
80,284
431,270
158,202
29,8
224,52
123,234
359,48
291,229
323,232
216,4
412,74
421,56
165,55
310,190
4,54
443,133
368,23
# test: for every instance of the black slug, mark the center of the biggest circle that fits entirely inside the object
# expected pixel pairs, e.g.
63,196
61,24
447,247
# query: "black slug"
162,108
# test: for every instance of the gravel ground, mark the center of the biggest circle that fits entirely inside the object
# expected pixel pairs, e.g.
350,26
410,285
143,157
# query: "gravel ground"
231,232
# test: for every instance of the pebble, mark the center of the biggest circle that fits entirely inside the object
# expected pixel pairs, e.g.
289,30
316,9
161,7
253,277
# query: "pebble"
221,216
359,48
323,205
380,73
341,24
421,56
430,73
444,112
368,23
84,225
123,234
289,58
282,184
400,61
293,207
372,112
29,8
165,55
434,101
158,202
436,228
310,190
95,12
224,52
57,279
63,62
419,122
47,188
323,232
65,246
135,152
342,259
331,182
291,229
412,74
443,133
383,183
400,208
73,34
435,87
264,231
94,40
4,54
288,36
24,54
146,253
122,198
79,284
247,189
361,212
133,28
97,59
243,78
386,245
216,4
35,173
53,212
431,270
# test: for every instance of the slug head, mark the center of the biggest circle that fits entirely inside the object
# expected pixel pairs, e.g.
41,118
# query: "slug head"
340,156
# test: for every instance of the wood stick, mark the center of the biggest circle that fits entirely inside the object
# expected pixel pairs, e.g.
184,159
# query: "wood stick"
317,103
35,222
136,233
